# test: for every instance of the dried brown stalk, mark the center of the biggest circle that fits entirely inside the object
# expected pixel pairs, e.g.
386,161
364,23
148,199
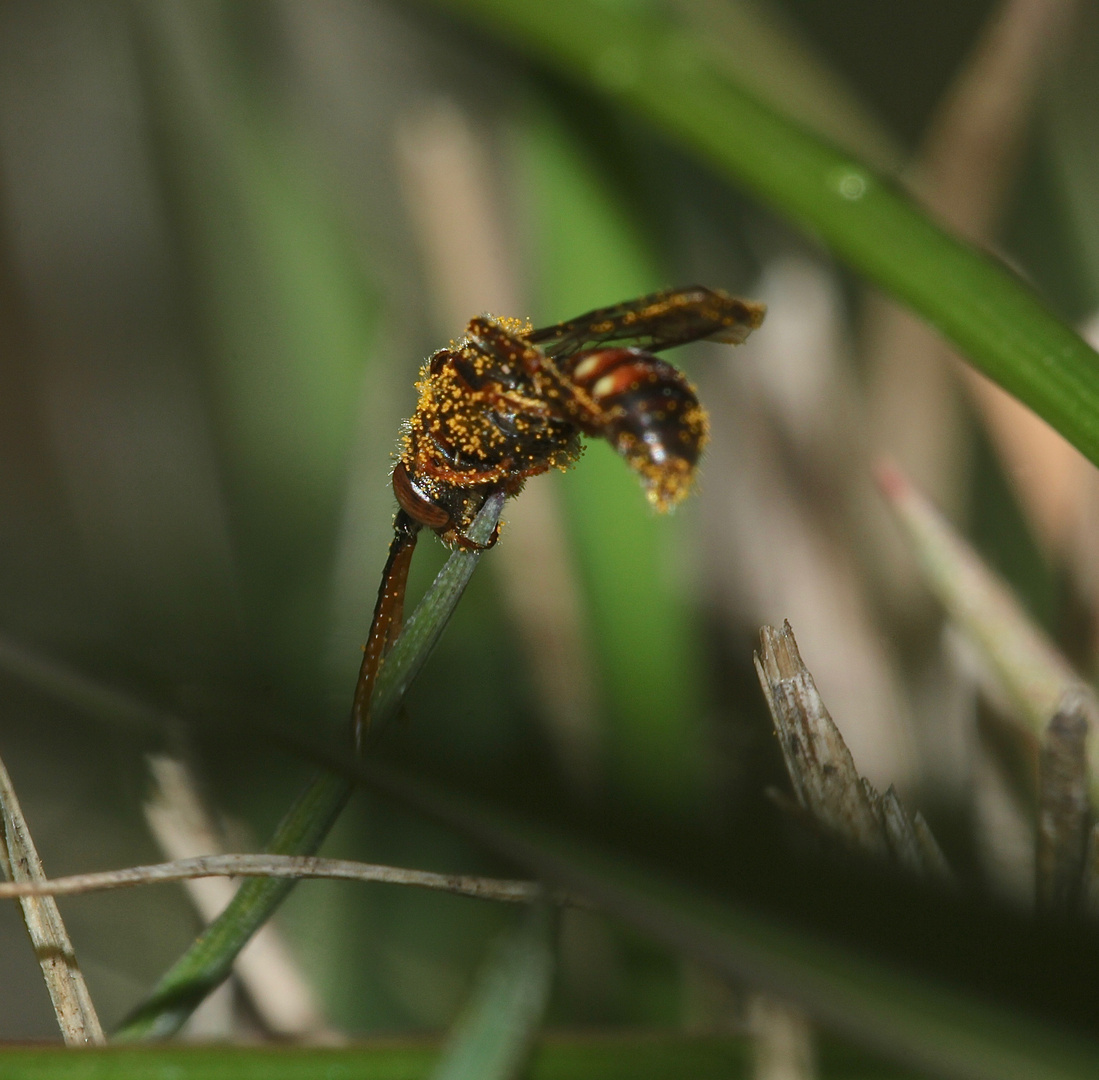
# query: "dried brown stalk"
76,1015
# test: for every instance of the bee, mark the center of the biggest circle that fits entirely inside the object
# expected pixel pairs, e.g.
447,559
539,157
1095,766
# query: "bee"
507,402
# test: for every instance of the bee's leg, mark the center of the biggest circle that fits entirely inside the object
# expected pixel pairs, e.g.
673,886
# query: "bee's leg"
466,544
386,624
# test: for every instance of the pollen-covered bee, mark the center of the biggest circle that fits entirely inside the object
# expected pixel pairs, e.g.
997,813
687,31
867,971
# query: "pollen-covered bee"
507,402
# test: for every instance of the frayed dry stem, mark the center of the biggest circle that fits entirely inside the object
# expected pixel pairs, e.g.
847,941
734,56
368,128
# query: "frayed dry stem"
287,866
76,1015
821,768
829,789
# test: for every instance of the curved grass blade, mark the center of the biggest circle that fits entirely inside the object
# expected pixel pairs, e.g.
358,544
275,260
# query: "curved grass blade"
208,961
667,75
492,1038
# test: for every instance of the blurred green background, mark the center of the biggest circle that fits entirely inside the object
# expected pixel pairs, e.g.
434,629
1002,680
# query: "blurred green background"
229,234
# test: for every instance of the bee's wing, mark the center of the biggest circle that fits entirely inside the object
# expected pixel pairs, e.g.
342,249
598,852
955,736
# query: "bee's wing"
655,322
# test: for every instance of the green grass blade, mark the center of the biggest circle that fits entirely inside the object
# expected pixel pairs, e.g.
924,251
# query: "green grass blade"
666,75
492,1038
916,1021
585,1057
208,961
302,831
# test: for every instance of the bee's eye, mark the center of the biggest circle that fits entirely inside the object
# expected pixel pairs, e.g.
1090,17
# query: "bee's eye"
415,503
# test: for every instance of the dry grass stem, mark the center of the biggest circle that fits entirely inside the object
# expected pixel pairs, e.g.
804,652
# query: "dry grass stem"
899,833
76,1015
821,768
1032,673
930,853
822,771
286,866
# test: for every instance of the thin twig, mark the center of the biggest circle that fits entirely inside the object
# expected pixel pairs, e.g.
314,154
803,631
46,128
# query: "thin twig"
285,866
76,1015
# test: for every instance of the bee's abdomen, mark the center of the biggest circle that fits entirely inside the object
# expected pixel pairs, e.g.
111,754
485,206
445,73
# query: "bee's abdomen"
649,412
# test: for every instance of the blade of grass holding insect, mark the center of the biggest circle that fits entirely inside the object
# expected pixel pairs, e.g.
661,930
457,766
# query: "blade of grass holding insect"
422,630
210,958
663,73
1026,664
76,1015
184,827
492,1039
914,1021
